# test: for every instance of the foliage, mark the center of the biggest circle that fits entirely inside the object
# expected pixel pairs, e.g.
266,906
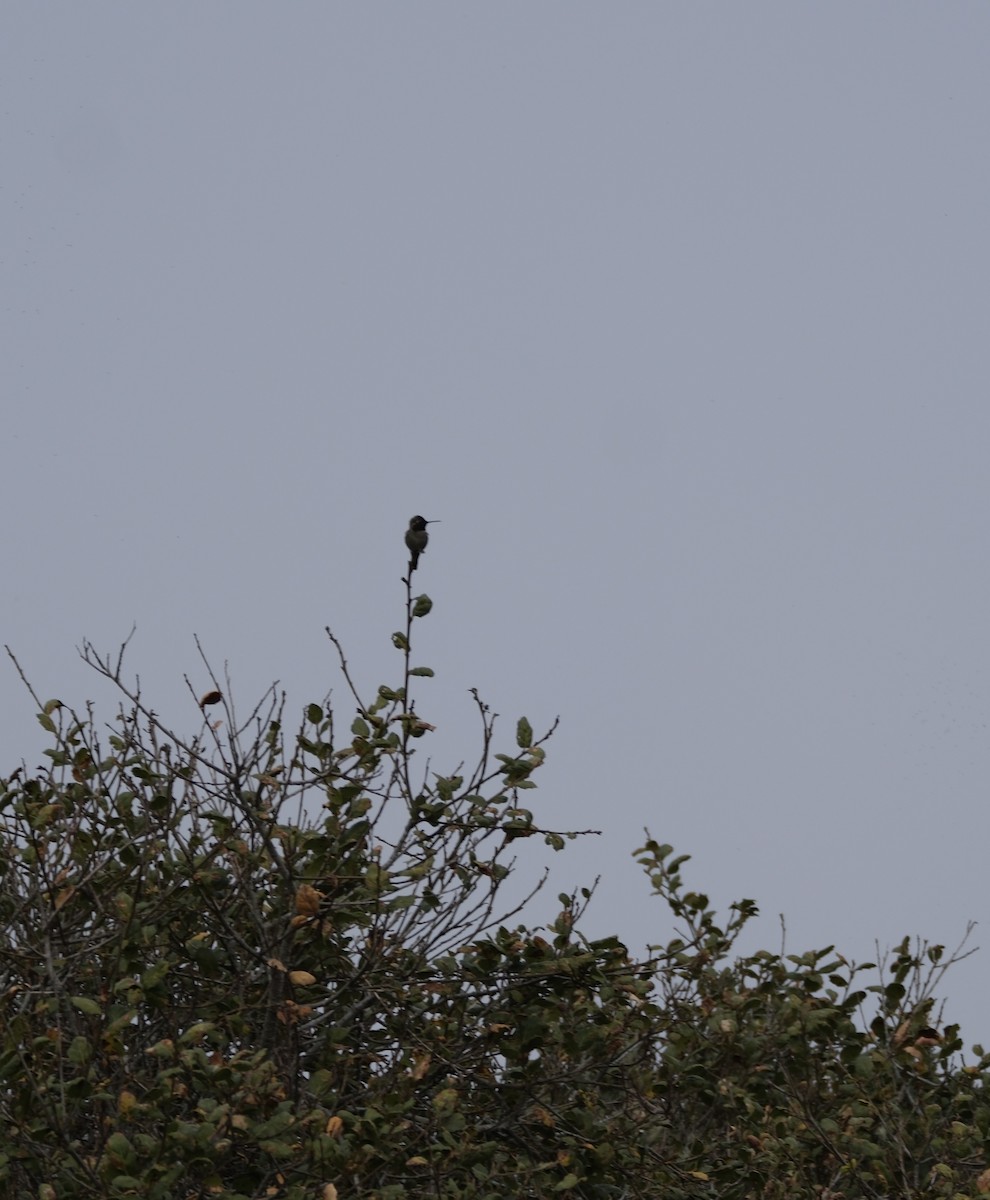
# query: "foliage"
242,964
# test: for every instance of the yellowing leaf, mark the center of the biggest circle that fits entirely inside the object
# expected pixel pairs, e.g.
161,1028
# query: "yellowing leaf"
446,1101
301,978
308,900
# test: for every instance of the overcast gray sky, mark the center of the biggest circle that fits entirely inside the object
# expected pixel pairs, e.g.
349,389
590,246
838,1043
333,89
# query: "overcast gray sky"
675,314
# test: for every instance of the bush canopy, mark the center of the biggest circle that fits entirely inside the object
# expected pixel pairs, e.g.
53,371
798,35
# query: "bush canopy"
247,963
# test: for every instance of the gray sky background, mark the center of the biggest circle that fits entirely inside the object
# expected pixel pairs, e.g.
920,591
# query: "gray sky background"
676,315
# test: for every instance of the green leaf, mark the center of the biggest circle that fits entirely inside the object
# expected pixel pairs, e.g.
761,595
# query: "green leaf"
376,879
423,868
524,734
427,671
360,728
400,641
85,1005
195,1032
155,974
119,1146
80,1050
421,606
122,1022
893,994
45,815
314,714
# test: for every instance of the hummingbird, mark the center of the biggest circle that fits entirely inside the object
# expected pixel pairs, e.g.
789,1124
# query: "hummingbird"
416,539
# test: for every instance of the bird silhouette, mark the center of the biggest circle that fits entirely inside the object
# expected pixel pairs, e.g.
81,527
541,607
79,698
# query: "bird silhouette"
416,539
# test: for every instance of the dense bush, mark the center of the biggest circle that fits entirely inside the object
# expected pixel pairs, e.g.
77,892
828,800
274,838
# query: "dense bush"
248,964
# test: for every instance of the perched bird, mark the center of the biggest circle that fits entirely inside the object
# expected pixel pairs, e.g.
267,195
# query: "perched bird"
416,539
